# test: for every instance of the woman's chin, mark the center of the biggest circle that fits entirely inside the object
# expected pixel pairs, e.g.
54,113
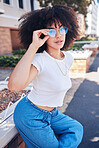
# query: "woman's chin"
56,47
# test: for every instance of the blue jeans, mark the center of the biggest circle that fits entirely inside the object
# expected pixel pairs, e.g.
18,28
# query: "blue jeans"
46,129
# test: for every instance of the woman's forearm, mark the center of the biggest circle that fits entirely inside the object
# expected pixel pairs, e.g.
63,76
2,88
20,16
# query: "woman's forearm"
20,74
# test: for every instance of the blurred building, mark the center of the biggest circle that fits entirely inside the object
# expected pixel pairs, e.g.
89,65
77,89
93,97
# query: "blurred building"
92,20
81,21
10,12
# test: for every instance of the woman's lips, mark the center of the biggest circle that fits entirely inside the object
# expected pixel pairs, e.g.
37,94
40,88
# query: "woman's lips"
59,42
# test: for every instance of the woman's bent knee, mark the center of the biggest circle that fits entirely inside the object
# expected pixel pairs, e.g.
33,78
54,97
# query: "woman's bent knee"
79,131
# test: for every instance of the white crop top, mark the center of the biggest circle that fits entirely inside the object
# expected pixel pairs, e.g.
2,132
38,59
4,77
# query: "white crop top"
50,85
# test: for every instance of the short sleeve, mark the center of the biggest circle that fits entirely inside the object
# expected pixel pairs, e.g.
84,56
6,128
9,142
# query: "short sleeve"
70,59
37,62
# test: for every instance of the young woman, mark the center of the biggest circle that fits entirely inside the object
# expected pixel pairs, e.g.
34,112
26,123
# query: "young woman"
46,33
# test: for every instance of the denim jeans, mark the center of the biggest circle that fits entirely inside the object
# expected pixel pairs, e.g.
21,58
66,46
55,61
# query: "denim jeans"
46,129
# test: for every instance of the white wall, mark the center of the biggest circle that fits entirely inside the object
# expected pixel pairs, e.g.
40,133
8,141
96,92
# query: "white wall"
98,22
92,19
36,5
12,12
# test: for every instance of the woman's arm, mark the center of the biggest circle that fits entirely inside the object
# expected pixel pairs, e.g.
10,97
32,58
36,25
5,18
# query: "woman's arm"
25,72
21,72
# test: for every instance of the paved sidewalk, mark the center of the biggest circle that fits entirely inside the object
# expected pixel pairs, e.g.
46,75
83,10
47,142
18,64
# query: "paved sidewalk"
4,73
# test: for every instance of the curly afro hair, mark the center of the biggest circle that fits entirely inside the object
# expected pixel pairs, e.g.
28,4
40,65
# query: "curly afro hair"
39,19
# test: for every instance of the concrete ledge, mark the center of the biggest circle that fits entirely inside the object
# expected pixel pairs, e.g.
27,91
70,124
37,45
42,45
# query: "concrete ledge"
91,47
7,126
81,54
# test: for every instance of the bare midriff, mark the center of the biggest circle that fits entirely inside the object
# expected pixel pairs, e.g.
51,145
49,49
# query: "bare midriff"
45,107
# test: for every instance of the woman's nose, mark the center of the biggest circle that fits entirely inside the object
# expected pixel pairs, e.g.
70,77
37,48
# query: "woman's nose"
58,33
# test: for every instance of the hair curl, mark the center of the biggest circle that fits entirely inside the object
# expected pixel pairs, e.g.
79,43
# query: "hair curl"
39,19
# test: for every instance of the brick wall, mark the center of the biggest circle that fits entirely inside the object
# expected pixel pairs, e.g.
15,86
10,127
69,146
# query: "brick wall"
16,142
5,40
15,40
80,65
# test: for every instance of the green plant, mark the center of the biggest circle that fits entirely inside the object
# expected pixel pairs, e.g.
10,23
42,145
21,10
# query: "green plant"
9,61
19,52
76,46
89,38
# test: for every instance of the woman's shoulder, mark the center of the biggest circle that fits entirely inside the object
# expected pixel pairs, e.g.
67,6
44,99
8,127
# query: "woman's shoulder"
42,56
69,58
38,61
68,55
39,55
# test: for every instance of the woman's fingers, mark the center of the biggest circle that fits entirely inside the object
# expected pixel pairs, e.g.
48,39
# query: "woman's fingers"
44,31
45,38
36,37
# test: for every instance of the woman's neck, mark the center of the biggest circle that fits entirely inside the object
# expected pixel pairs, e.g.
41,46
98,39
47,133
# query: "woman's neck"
57,54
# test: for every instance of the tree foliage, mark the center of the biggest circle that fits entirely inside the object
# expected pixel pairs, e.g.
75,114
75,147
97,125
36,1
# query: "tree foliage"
79,6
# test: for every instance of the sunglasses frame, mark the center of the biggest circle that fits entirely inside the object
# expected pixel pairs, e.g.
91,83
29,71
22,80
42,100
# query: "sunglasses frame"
65,28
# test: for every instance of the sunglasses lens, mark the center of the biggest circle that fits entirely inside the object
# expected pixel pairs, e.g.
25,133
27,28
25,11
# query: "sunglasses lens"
66,30
63,30
52,33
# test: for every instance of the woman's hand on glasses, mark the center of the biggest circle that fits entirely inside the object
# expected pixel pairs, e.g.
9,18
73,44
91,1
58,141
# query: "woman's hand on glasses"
37,40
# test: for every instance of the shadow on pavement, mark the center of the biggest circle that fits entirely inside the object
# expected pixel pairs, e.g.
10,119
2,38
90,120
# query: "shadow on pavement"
84,107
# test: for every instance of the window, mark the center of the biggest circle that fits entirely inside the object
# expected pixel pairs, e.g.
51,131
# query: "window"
21,4
7,1
32,4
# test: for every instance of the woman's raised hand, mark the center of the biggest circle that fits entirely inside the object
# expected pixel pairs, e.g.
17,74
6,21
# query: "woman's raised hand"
37,41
